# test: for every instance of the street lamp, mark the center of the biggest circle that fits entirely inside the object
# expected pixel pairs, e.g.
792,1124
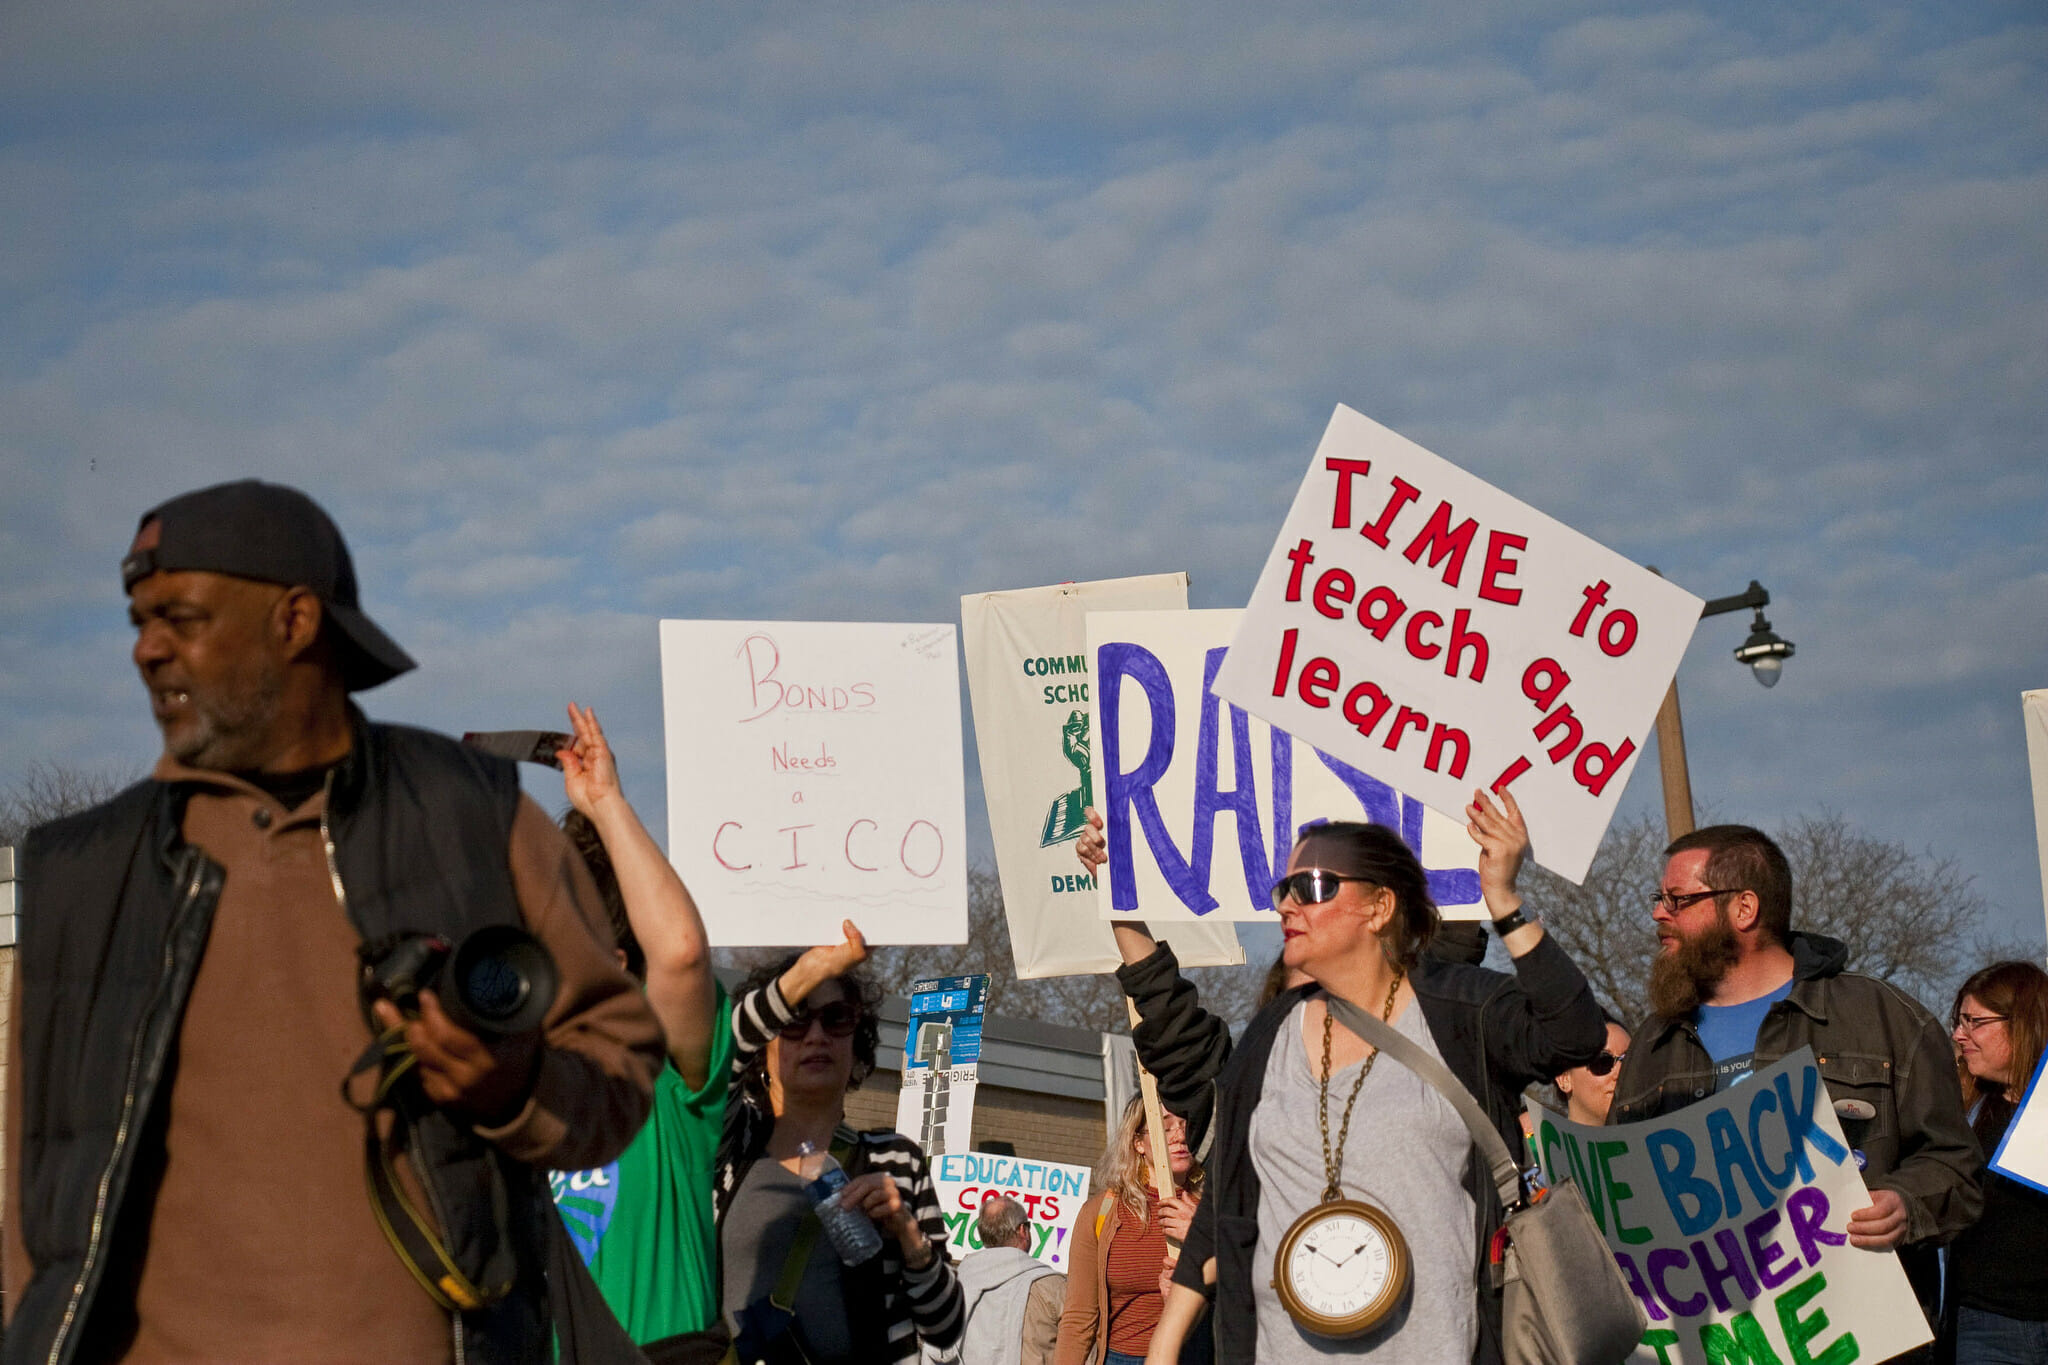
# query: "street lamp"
1765,651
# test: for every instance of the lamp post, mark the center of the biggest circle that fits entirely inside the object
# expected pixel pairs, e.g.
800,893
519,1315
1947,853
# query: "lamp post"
1764,651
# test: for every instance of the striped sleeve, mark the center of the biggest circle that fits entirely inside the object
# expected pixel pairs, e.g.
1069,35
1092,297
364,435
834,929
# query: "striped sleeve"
935,1307
756,1018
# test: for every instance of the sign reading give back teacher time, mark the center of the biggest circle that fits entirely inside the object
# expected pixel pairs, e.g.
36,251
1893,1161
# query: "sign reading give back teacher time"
1428,629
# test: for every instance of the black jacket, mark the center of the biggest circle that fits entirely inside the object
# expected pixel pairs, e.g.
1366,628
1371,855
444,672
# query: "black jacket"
115,915
1497,1033
1873,1043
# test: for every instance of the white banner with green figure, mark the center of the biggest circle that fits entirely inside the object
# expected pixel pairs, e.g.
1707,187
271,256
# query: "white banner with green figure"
1028,677
1729,1220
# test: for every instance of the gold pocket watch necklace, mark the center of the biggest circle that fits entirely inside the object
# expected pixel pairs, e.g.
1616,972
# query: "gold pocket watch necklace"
1343,1266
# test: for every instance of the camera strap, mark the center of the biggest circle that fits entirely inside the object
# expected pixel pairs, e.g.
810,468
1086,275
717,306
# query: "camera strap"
409,1230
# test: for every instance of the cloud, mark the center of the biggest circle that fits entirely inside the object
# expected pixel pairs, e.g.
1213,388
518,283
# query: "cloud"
723,312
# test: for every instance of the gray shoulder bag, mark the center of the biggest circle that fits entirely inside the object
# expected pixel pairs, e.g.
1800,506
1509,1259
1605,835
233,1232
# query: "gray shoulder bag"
1563,1300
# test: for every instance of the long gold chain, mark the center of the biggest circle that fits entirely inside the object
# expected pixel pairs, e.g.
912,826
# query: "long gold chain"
1333,1166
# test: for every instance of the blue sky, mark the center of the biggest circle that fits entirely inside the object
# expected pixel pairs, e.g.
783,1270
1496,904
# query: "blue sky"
577,317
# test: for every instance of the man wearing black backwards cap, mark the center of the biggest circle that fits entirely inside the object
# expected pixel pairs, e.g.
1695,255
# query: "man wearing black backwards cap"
188,1178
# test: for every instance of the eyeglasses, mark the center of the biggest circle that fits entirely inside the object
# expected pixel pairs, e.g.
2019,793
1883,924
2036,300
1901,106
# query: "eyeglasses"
1605,1062
839,1019
1970,1023
1312,887
1672,904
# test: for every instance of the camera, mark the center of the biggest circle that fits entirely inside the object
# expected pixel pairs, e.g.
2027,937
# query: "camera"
496,983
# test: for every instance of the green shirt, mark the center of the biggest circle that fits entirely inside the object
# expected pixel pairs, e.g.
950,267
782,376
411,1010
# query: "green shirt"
644,1223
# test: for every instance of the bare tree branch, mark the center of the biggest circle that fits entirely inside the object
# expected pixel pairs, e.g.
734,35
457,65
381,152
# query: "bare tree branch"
1914,920
1092,1001
50,790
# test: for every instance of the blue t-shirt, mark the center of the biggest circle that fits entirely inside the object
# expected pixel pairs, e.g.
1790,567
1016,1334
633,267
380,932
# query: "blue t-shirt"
1728,1032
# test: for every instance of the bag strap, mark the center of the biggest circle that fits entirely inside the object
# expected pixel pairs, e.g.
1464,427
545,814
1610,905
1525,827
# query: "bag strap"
410,1231
1507,1177
791,1279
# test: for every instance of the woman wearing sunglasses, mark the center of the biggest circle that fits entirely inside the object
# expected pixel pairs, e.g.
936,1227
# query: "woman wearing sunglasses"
1301,1109
1996,1307
1588,1090
804,1033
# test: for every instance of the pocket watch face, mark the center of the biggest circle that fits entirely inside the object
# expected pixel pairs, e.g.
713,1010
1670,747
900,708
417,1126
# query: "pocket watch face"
1342,1269
1340,1265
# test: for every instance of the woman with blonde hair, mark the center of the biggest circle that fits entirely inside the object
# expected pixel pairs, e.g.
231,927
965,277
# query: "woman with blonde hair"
1117,1256
1997,1283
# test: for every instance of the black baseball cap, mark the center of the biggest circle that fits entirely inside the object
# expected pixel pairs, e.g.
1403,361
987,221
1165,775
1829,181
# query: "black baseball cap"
273,534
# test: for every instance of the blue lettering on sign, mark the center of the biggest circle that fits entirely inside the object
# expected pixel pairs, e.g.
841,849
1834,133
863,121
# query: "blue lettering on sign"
586,1200
1131,796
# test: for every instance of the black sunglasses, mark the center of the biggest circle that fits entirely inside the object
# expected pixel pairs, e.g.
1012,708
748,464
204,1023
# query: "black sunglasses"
1605,1062
1312,887
839,1018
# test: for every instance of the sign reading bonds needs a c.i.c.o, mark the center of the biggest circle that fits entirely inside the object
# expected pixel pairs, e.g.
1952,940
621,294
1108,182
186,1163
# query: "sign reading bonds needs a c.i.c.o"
1427,628
1729,1220
815,775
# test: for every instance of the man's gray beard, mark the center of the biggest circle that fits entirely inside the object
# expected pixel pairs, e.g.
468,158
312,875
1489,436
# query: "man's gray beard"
1680,980
233,733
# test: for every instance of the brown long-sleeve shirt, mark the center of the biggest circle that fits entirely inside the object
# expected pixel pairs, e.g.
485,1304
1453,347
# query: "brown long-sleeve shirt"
263,1246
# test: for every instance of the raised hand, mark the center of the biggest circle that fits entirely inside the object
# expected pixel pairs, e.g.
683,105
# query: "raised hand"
1090,846
590,775
1503,839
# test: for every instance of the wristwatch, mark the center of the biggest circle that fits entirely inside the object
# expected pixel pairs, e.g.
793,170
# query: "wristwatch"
1513,920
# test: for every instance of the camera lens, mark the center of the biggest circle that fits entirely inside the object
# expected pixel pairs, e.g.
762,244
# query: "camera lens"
494,988
503,981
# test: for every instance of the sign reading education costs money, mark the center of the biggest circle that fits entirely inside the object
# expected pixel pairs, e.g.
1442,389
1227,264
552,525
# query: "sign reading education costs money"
942,1062
1029,675
1424,626
814,775
1054,1195
1729,1222
1203,802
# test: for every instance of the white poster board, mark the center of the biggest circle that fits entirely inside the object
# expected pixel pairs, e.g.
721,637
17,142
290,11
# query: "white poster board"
1053,1194
2034,708
1028,677
814,775
1203,801
942,1062
1426,627
1728,1220
2022,1153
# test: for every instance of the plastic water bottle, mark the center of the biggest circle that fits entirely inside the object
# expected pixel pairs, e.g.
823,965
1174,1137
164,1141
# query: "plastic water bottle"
852,1233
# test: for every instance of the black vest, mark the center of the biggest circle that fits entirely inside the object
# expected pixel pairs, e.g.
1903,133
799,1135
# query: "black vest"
116,908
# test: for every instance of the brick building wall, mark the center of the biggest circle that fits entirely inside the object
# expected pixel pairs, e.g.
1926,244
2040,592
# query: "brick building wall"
1040,1126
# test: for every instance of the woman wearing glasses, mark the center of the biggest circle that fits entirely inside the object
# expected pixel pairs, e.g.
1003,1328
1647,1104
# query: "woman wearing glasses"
1997,1300
804,1033
1588,1090
1305,1121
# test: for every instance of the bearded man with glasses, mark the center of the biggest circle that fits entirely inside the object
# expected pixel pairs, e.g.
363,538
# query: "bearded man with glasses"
1734,988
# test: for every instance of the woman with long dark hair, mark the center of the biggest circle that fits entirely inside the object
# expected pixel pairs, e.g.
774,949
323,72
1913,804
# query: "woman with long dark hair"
1997,1299
805,1032
1332,1178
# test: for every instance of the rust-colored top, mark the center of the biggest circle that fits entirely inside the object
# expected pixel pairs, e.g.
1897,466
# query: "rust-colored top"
263,1246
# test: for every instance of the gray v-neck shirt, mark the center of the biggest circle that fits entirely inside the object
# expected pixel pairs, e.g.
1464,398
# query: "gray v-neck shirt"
1406,1154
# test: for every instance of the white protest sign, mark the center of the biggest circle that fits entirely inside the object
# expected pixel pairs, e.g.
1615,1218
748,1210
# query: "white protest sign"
2034,710
942,1062
2022,1153
1054,1195
1203,802
814,775
1729,1222
1028,676
1429,629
